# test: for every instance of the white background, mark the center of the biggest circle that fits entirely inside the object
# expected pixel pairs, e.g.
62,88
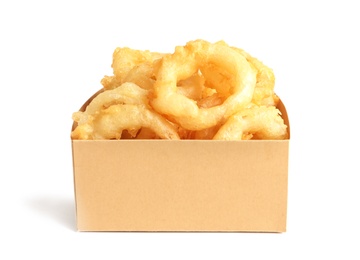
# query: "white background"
52,57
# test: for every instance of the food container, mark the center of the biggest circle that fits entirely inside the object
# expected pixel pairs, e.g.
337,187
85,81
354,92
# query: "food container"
184,185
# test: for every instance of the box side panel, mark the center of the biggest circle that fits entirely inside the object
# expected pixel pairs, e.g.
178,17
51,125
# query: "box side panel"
74,176
159,185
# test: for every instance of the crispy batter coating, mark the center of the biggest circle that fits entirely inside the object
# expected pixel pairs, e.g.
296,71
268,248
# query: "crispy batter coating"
202,90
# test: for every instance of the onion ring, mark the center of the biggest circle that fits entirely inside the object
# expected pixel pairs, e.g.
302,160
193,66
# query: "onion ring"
257,122
123,108
127,93
184,62
110,122
265,81
124,61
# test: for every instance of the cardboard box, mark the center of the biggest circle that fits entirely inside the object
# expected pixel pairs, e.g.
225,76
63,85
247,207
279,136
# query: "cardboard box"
186,185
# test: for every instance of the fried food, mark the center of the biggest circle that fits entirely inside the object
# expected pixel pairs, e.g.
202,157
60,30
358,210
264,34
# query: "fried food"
238,83
257,122
125,60
202,90
123,108
265,81
110,123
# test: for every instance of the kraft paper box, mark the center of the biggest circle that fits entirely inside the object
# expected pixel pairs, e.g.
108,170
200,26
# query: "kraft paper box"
185,185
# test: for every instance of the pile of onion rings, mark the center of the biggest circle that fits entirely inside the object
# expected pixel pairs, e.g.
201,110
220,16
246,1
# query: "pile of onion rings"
202,90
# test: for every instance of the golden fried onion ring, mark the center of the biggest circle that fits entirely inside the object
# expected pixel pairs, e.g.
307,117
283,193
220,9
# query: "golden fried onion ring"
123,108
127,93
124,61
265,81
257,122
110,122
187,60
